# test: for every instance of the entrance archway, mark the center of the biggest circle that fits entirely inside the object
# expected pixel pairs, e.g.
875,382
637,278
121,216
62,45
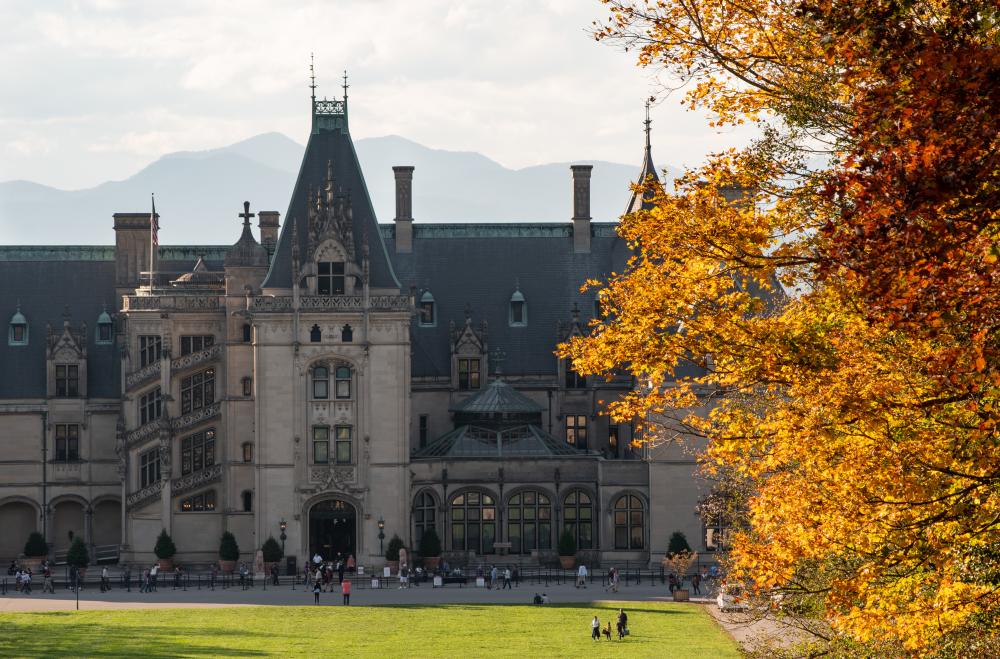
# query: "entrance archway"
332,529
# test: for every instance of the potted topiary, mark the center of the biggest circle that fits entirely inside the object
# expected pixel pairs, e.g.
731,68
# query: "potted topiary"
78,557
392,552
165,551
430,549
229,553
677,562
272,553
567,550
35,551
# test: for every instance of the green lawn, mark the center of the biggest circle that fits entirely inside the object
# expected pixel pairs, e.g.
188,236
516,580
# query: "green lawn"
658,630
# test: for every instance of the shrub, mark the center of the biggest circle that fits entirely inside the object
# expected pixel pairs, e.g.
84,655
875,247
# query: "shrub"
567,544
271,550
430,544
678,544
36,546
228,549
165,547
392,551
77,554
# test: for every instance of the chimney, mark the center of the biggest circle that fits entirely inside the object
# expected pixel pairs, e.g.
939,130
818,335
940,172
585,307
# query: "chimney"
267,221
581,208
131,250
404,209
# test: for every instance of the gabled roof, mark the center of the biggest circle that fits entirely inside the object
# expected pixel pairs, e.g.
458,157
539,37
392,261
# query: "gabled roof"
330,142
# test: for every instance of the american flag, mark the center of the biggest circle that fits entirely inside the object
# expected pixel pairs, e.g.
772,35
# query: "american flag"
154,225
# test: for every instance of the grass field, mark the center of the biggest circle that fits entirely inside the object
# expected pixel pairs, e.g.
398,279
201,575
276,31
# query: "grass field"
662,630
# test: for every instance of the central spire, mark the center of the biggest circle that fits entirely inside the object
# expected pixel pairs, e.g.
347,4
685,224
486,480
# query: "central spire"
643,200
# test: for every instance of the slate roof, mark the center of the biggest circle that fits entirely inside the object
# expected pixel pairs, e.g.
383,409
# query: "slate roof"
44,289
333,145
482,265
498,398
45,279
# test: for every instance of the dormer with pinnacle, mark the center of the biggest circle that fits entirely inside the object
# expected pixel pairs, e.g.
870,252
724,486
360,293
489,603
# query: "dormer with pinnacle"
66,359
642,200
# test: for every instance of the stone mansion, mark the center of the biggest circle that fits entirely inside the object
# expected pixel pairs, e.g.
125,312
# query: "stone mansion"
330,373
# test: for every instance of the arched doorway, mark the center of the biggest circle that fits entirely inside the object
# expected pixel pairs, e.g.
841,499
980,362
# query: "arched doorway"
332,529
18,519
67,523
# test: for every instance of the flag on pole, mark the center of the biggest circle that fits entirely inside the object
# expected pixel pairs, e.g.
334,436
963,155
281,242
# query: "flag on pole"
154,240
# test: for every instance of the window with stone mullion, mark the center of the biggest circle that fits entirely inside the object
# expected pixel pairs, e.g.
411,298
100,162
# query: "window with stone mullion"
330,280
198,451
198,391
67,380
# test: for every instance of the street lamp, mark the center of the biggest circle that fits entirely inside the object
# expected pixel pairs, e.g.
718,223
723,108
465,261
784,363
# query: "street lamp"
283,525
381,534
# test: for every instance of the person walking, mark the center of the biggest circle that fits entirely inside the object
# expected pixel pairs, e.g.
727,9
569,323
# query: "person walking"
48,586
696,584
595,629
622,624
494,574
26,582
506,578
581,576
614,580
153,572
316,591
516,575
105,580
345,588
341,566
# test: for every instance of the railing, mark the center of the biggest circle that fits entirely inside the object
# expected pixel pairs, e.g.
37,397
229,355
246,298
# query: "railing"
196,417
143,432
143,375
144,495
195,358
197,479
283,303
171,302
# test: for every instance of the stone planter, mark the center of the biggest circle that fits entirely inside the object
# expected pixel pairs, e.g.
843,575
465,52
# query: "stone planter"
227,567
567,562
32,563
166,564
431,563
682,595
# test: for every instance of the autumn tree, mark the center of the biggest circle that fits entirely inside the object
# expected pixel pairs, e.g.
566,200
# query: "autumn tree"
839,310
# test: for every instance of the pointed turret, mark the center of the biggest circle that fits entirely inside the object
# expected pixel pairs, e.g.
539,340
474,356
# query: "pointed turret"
644,201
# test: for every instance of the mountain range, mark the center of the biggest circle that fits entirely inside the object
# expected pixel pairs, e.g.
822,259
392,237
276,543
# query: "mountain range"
199,193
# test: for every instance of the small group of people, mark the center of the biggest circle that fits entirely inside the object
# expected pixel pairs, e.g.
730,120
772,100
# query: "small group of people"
613,578
345,589
541,599
621,627
497,579
150,576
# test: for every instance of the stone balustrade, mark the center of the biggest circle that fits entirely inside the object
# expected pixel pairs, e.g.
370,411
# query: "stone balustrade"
143,375
196,358
195,480
283,303
145,495
172,303
196,417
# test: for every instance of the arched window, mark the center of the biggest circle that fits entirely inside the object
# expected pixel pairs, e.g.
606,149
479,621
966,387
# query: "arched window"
247,452
518,316
529,522
321,382
17,332
247,333
342,382
424,515
247,501
203,502
104,327
629,522
578,518
473,522
315,334
346,334
428,317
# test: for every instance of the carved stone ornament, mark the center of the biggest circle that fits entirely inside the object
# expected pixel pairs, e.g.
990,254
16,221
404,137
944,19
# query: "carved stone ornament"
336,478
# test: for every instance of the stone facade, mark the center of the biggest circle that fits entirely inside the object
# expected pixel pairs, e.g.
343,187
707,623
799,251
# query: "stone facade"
320,382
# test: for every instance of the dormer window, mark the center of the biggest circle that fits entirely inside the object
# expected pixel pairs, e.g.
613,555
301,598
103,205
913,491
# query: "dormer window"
331,278
17,333
104,326
427,317
518,316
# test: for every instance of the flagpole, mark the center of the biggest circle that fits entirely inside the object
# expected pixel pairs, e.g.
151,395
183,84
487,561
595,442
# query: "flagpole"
154,241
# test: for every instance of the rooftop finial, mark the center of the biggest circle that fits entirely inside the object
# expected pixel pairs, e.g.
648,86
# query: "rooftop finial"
345,85
312,77
648,121
246,214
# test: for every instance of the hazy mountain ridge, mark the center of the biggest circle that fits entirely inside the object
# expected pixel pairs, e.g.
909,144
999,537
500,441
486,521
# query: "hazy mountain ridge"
199,193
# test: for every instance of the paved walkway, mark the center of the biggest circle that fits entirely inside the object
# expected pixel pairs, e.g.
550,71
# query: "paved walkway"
93,599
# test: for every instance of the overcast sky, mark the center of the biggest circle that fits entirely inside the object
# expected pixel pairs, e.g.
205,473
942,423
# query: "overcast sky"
92,90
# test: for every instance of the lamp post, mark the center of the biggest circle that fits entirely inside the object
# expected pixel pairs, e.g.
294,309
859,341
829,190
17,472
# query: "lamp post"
381,534
283,525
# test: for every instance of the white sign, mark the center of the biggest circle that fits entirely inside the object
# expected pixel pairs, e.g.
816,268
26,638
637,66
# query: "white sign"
438,582
376,583
387,571
361,570
480,582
